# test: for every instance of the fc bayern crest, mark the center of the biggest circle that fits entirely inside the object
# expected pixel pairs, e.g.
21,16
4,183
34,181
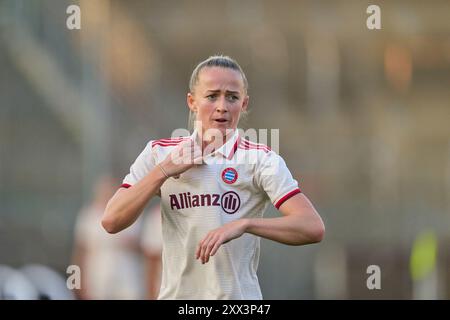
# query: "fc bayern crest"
229,175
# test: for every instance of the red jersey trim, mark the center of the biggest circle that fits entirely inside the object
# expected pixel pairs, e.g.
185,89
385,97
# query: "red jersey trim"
168,142
125,185
250,146
235,147
257,145
286,197
171,140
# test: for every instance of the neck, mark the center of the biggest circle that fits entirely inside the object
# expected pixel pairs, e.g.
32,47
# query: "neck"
211,143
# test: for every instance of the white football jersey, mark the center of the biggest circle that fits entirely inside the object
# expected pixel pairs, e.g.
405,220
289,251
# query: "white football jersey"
237,181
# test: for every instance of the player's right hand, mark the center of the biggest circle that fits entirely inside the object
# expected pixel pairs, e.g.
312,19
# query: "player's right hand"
185,155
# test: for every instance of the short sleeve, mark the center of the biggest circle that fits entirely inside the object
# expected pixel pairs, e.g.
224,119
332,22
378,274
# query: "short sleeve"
143,164
275,179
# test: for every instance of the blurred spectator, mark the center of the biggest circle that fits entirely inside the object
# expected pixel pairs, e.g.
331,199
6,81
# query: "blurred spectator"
49,284
14,285
151,242
111,265
5,274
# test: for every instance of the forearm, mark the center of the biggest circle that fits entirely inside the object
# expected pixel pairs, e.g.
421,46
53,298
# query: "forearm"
291,230
126,206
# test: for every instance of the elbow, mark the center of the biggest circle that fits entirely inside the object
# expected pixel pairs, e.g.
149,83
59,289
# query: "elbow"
317,233
109,223
313,234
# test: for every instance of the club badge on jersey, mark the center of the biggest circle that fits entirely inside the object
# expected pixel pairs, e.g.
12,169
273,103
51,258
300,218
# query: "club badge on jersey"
229,175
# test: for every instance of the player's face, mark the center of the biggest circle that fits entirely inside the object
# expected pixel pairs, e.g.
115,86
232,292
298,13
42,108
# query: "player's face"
218,99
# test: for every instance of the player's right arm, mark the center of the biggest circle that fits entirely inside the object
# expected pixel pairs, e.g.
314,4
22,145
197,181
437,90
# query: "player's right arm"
128,203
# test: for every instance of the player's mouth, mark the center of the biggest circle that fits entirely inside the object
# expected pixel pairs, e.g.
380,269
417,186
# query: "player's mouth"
221,120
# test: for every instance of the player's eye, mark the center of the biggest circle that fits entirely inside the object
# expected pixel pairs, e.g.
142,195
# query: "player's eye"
212,96
232,98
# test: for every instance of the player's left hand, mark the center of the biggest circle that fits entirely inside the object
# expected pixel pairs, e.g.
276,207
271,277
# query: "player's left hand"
209,245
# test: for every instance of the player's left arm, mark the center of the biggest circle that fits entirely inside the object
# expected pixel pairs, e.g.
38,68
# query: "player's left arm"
299,225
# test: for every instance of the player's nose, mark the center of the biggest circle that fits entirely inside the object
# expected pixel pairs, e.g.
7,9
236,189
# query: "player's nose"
221,105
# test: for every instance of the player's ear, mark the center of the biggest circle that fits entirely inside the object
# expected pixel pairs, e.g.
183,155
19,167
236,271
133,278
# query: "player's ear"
191,102
245,103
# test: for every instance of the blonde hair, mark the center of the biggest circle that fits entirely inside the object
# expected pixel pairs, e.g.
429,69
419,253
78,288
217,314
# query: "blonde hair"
217,61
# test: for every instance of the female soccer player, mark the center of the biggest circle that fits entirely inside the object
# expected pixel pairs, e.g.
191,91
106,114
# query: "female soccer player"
214,187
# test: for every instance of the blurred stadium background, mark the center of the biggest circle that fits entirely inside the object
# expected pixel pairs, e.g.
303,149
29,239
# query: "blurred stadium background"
363,118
